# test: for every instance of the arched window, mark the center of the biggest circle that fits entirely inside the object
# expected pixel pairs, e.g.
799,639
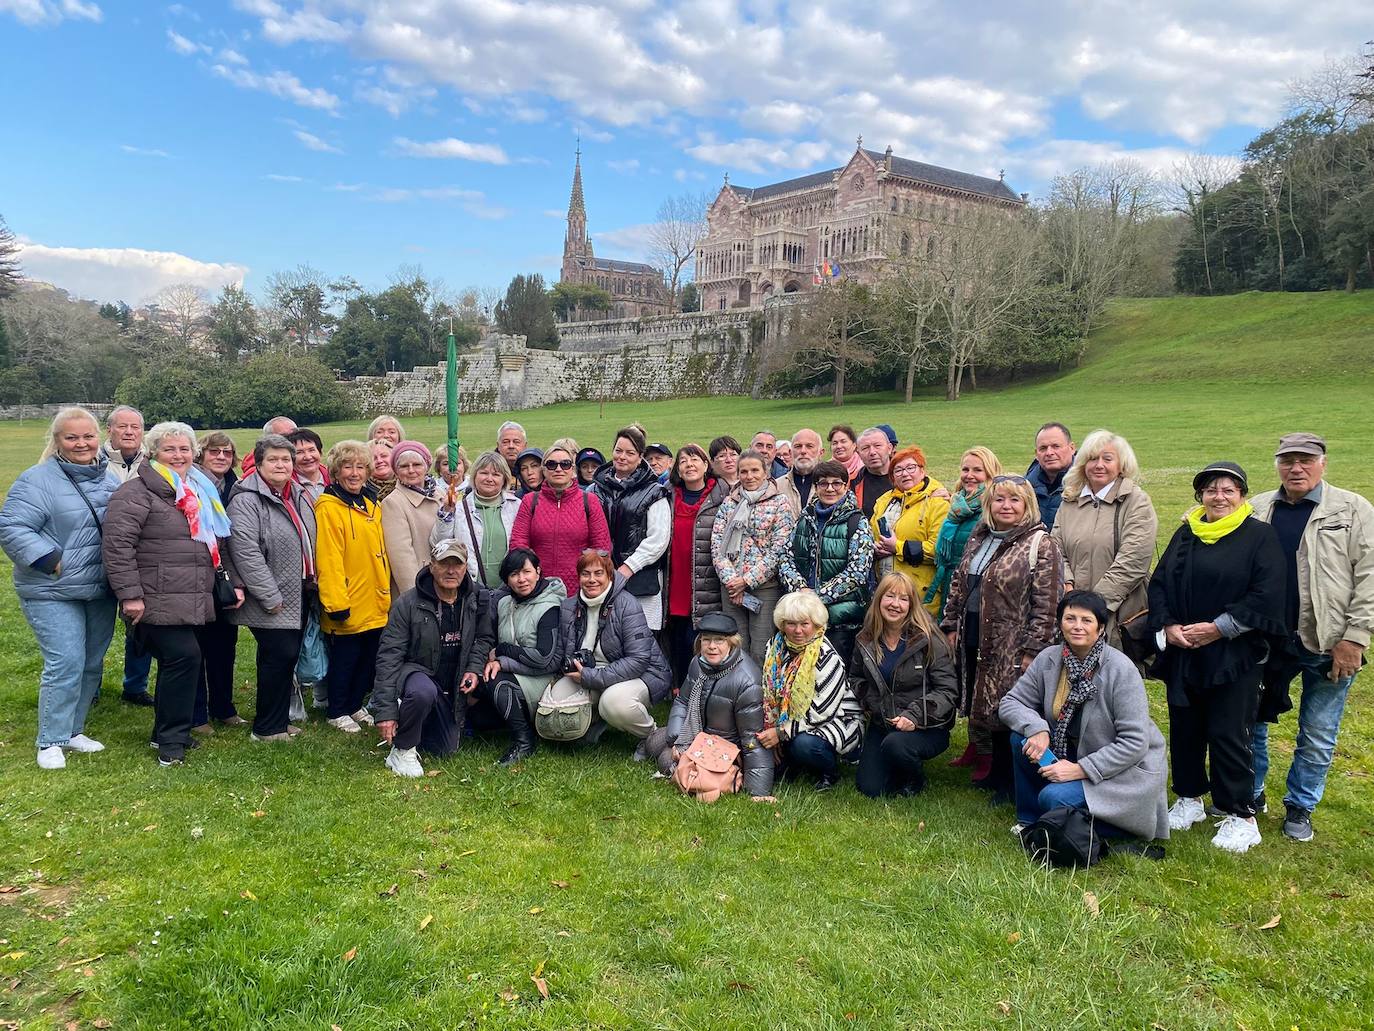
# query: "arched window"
932,247
904,247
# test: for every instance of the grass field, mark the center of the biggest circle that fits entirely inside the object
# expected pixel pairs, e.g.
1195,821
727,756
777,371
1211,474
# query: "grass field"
303,886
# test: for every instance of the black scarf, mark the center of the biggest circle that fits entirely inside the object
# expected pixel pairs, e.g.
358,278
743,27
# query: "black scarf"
1082,688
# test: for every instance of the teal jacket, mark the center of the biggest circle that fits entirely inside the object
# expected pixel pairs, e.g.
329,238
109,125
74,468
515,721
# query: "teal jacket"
834,557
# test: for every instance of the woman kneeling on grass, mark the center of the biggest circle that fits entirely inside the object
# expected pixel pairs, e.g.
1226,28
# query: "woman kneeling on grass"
903,676
721,697
810,716
1081,732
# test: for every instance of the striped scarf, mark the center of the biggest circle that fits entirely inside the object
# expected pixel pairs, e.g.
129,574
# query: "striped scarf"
197,498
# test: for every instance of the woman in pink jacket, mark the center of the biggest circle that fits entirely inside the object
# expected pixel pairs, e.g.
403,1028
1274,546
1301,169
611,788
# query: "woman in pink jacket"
559,521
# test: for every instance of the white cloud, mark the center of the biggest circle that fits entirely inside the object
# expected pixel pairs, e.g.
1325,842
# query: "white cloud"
624,167
279,84
554,213
50,12
122,273
312,142
490,153
474,202
147,152
274,177
183,46
755,155
229,56
632,243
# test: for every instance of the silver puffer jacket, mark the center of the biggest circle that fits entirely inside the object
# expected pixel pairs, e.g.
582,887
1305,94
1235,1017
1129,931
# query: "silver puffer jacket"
734,711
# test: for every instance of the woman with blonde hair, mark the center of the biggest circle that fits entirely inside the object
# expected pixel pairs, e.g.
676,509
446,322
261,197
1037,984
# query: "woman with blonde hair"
482,518
387,428
1000,615
50,527
355,582
810,715
977,466
1106,529
903,676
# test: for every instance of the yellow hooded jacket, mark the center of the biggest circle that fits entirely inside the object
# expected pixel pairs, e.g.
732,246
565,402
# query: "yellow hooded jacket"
354,574
917,525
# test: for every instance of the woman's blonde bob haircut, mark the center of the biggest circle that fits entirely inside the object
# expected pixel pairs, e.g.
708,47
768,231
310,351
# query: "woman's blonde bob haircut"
1018,486
64,416
381,421
1097,442
348,451
799,605
492,460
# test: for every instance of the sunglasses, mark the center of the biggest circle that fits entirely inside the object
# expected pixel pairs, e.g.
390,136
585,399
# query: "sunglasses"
559,463
1010,479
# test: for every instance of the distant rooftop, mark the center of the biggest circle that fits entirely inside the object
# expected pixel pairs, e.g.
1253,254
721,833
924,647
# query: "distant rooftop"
906,168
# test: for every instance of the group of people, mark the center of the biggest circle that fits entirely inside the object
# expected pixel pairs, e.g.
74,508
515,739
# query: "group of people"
817,605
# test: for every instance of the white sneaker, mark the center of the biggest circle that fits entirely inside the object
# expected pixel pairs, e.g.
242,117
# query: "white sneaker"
1236,834
52,758
404,762
82,743
344,723
362,716
1185,812
1016,829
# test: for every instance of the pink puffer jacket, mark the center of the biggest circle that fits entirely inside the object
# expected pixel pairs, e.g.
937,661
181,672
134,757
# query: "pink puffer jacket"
560,529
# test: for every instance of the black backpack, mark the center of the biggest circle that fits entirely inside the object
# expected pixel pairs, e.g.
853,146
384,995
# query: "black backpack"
1064,837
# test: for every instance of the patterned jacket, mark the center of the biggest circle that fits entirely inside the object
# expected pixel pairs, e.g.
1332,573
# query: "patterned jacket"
765,541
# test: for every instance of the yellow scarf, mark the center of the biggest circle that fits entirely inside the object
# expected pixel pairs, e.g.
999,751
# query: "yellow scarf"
1210,533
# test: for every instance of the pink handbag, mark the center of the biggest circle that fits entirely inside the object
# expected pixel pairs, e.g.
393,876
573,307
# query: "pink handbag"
708,768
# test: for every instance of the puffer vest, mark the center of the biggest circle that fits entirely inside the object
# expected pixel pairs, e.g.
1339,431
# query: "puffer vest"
627,516
827,561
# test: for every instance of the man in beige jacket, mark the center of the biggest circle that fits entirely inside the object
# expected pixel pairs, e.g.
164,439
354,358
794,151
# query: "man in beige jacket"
1328,538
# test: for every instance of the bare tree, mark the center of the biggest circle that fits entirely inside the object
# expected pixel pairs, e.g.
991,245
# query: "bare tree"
183,311
674,235
838,331
909,303
1195,180
297,301
1338,89
10,272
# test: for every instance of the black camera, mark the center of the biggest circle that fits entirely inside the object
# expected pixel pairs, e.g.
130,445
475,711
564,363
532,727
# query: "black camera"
583,655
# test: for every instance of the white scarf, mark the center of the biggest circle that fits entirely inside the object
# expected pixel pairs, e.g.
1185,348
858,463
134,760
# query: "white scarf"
589,639
739,522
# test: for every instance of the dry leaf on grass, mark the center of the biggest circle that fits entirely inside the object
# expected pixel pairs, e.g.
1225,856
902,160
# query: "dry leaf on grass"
433,773
510,995
150,827
1005,1007
1271,923
349,956
10,889
921,825
536,910
559,884
257,813
102,1022
335,1027
389,892
468,852
1014,937
1090,901
739,986
541,985
429,919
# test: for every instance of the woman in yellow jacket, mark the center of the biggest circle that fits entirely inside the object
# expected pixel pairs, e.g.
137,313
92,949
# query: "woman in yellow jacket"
355,582
906,521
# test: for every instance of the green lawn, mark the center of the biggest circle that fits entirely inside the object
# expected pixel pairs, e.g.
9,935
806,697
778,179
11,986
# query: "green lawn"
290,887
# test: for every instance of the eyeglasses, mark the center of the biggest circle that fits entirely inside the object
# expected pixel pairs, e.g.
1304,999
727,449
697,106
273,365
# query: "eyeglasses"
219,451
1010,479
558,463
906,468
831,485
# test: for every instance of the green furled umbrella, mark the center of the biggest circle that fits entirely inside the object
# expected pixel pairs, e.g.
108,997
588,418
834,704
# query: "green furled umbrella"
451,383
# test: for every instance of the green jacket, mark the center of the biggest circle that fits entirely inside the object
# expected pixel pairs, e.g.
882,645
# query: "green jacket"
835,560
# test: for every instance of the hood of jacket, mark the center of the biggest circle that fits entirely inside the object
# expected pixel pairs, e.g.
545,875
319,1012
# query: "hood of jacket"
424,587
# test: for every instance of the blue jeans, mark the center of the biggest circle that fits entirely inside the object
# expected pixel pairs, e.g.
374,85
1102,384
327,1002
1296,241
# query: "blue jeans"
1035,796
813,753
73,637
136,667
1319,719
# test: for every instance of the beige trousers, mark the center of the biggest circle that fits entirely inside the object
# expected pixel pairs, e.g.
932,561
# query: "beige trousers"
625,706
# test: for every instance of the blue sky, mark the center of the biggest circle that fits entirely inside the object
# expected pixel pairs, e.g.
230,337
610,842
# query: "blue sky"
149,144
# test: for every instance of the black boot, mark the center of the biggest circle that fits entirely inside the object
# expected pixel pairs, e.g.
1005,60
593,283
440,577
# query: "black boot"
1000,779
510,703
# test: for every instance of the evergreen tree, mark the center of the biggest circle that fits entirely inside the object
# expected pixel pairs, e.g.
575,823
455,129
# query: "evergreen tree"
526,311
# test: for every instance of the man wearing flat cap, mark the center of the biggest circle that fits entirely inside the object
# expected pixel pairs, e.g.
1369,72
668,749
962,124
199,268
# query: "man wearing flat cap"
1327,535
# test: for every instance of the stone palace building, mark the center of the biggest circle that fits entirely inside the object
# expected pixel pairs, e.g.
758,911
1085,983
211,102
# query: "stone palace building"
790,236
636,289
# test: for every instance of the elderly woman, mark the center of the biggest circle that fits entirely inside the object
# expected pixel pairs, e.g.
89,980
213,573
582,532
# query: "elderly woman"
639,517
725,452
50,528
409,513
810,716
355,582
844,448
907,519
751,534
310,470
457,477
1000,615
1081,732
161,547
482,519
722,696
216,455
525,654
387,428
609,650
693,586
559,521
1218,596
903,676
430,657
1106,529
832,554
381,480
529,470
271,557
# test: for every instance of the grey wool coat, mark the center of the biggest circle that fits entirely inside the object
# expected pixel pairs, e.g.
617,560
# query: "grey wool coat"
264,554
1119,747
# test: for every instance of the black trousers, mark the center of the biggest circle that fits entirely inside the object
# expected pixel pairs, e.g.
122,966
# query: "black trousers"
500,702
1215,725
352,667
681,639
278,651
892,760
426,719
842,640
178,653
215,693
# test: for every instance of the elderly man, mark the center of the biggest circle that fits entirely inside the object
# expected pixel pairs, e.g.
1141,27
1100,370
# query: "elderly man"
1054,453
510,441
795,485
124,442
1327,535
431,655
765,442
660,459
874,479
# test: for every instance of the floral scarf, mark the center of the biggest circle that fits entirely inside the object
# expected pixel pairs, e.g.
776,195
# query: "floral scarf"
1082,687
964,510
789,679
197,498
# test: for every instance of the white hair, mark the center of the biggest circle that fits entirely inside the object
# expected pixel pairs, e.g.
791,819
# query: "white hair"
153,439
119,410
267,426
511,424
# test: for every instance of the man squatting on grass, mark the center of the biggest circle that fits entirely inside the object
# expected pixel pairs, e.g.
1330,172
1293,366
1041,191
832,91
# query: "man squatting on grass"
1289,579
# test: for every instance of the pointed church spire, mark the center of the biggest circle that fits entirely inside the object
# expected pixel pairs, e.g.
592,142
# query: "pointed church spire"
575,244
575,203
